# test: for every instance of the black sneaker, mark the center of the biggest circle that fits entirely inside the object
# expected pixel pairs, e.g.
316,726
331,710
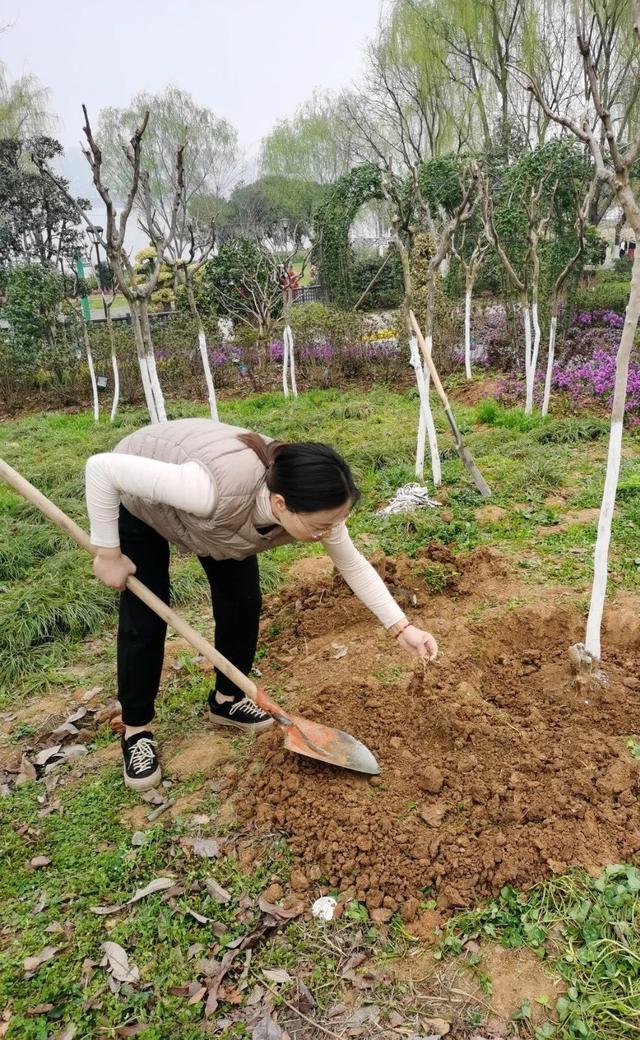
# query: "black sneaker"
241,714
140,761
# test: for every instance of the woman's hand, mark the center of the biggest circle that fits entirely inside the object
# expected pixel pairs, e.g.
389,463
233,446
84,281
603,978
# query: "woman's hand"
418,643
113,568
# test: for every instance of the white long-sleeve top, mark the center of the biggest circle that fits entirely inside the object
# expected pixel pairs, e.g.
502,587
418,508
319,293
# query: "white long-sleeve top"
189,487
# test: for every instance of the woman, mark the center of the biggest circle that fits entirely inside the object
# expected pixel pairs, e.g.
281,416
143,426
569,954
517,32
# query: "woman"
225,495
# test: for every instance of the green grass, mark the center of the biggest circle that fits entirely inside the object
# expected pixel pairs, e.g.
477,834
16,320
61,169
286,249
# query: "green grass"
586,929
94,863
95,302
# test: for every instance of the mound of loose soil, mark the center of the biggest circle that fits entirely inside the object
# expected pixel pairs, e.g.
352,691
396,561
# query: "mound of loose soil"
494,770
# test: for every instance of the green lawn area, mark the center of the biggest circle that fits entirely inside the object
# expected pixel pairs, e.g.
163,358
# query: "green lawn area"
95,302
56,636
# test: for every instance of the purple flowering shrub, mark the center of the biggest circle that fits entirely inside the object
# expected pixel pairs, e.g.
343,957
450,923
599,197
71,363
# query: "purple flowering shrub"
584,375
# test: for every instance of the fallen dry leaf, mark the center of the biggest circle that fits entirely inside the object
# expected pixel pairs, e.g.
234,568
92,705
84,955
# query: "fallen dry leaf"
281,913
92,693
67,729
43,756
27,768
212,998
340,651
355,960
132,1030
55,928
197,995
266,1029
216,891
77,715
277,975
119,965
200,918
306,1001
157,885
39,1009
75,751
194,950
43,901
207,848
31,964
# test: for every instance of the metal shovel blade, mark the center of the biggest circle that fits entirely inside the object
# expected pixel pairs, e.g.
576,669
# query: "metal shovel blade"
329,745
315,740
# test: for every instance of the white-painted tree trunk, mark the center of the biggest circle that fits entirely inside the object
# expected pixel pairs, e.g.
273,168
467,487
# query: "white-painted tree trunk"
550,360
535,351
156,389
288,363
92,371
426,425
204,357
601,554
114,367
285,363
526,315
467,331
143,364
292,364
116,386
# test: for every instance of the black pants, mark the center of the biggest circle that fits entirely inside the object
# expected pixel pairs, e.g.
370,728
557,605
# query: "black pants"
236,600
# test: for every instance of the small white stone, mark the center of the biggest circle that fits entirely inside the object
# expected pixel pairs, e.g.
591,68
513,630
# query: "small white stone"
324,908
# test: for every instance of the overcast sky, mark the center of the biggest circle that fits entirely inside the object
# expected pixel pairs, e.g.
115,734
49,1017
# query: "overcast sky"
251,61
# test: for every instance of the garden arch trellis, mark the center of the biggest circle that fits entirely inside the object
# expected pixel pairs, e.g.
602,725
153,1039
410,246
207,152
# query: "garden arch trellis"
333,220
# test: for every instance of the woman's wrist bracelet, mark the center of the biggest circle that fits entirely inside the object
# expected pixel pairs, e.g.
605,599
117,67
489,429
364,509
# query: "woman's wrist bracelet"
398,628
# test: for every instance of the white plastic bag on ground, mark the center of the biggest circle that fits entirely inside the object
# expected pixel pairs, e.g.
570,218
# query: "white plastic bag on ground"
408,497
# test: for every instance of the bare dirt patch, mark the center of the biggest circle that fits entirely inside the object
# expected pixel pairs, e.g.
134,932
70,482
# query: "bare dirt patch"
197,754
494,770
478,390
518,976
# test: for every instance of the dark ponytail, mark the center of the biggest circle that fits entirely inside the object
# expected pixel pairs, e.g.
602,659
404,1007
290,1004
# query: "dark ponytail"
310,477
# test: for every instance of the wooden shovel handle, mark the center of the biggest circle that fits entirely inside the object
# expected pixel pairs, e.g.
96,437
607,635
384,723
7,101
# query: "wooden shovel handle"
182,627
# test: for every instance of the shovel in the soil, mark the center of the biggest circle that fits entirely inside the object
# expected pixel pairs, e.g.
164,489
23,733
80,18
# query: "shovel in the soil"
305,738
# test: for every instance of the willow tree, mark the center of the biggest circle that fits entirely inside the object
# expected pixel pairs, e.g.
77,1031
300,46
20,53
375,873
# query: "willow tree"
614,147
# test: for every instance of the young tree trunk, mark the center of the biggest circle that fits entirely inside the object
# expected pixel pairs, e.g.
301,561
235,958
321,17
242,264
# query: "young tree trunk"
288,353
467,327
526,317
285,363
92,372
145,375
601,555
537,336
202,347
426,425
156,389
550,357
114,365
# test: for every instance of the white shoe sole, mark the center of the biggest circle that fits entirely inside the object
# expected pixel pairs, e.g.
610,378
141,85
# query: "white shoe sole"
244,727
145,783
